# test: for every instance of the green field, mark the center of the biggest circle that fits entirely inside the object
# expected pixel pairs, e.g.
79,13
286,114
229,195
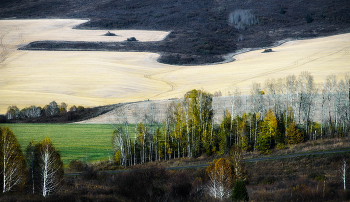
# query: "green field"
87,142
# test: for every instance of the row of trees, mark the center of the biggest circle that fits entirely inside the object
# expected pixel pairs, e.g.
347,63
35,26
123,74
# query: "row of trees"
284,112
40,168
13,112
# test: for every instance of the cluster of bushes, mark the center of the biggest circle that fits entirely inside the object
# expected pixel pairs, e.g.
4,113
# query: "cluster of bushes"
149,182
182,59
307,178
13,112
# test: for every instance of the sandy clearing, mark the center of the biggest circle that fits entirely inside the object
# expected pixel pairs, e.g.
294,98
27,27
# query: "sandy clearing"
93,78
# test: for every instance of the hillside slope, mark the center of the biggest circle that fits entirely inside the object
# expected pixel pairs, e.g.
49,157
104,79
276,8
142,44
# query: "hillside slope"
201,29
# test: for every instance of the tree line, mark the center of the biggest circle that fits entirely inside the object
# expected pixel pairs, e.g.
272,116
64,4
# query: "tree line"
285,111
39,170
13,112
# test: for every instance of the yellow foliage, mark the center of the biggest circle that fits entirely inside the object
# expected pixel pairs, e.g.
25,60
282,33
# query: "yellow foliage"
270,123
294,136
117,157
221,171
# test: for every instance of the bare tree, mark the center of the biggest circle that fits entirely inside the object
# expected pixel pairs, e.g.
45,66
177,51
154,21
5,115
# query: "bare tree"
185,104
12,112
119,144
52,109
50,167
258,106
271,88
330,86
121,139
307,92
343,172
135,114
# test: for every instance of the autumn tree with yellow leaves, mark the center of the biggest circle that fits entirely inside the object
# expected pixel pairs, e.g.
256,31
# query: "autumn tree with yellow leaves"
12,164
221,178
268,132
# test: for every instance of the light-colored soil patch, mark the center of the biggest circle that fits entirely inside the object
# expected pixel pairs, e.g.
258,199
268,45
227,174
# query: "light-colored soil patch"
93,78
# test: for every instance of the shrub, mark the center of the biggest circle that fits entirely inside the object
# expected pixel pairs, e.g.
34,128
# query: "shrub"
109,34
80,108
308,18
131,39
267,50
181,185
76,165
89,173
267,180
144,184
319,176
282,11
280,146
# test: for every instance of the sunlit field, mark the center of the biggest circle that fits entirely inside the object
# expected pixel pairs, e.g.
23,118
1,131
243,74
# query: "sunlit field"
92,78
87,142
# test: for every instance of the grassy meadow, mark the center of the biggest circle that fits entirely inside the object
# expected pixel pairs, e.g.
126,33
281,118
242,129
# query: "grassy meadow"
87,142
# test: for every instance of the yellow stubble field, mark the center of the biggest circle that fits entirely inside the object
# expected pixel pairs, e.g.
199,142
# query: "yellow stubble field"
93,78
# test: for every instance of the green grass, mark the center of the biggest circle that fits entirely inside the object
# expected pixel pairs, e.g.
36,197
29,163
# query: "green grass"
87,142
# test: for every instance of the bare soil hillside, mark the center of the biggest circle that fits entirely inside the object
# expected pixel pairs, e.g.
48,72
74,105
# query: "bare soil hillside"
202,30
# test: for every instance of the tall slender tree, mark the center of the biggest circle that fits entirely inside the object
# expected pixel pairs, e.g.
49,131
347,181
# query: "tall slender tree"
12,163
49,167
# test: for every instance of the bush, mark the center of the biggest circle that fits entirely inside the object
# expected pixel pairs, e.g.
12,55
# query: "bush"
319,176
144,184
131,39
282,11
267,180
267,50
280,146
76,165
89,173
180,185
308,18
239,192
109,34
80,108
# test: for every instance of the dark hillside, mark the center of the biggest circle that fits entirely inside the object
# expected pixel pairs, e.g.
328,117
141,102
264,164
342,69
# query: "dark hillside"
202,31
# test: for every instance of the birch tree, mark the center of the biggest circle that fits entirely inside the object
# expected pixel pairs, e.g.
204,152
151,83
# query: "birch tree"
119,143
52,109
343,172
50,167
13,165
307,92
221,178
257,105
12,112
